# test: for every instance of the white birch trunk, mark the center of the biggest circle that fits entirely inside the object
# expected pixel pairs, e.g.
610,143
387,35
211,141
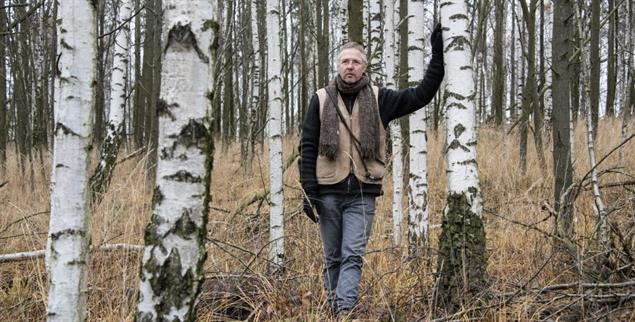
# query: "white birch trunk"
255,85
600,210
395,128
114,128
171,273
460,93
418,178
462,254
375,46
397,180
67,251
274,70
343,21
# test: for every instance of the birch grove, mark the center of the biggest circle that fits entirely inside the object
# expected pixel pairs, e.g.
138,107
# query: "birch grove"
172,269
418,177
67,250
274,127
109,112
462,254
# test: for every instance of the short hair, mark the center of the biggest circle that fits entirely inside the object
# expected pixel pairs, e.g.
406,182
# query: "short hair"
353,45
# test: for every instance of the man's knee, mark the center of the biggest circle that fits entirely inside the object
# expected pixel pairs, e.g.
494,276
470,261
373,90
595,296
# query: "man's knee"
354,260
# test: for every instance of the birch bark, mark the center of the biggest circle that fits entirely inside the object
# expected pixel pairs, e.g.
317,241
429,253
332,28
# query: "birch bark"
395,128
462,254
102,175
274,70
598,204
418,177
375,45
172,271
67,251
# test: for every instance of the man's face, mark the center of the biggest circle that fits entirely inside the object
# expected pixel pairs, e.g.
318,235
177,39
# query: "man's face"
351,67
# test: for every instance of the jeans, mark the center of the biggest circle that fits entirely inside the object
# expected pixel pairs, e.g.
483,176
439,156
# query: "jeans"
345,226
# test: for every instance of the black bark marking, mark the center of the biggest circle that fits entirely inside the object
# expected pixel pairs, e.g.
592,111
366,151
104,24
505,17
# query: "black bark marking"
69,231
194,133
185,227
65,129
163,109
458,130
456,144
183,176
157,196
458,16
459,43
182,38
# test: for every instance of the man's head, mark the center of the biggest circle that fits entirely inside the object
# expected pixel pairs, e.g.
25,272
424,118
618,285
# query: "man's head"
352,62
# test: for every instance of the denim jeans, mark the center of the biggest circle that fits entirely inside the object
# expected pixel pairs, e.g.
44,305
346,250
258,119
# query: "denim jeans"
345,226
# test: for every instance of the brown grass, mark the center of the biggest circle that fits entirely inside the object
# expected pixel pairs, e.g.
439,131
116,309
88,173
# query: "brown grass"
392,288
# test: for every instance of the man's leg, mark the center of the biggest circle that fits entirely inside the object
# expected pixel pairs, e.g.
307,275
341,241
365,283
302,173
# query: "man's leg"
330,212
357,221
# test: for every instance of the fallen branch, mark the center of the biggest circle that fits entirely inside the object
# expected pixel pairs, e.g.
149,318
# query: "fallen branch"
3,184
579,286
23,256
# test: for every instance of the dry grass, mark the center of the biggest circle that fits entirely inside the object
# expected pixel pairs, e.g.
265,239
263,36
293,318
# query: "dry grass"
392,288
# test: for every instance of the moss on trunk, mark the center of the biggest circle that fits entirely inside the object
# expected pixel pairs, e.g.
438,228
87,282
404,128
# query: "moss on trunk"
462,257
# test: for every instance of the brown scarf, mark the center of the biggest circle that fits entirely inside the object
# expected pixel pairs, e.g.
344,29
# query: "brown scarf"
368,118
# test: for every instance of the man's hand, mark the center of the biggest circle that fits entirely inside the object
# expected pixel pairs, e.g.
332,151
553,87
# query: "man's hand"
308,204
436,39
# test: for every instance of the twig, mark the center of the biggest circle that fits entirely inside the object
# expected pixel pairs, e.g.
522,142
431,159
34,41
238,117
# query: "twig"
508,300
265,193
614,184
23,256
130,156
21,19
582,286
123,23
3,184
600,162
528,226
21,219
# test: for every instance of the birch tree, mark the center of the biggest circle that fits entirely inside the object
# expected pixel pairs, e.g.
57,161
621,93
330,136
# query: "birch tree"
395,127
462,256
67,251
114,128
172,270
343,19
274,70
375,46
395,134
594,77
418,177
598,206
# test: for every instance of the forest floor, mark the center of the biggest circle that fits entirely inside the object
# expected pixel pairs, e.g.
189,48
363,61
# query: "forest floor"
527,279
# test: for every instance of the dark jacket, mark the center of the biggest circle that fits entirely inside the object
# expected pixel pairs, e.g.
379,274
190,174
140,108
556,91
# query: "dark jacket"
392,105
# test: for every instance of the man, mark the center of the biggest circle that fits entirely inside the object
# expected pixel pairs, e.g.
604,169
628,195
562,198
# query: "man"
342,161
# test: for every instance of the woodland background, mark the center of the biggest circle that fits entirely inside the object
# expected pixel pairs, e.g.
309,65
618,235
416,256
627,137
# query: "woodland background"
511,48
